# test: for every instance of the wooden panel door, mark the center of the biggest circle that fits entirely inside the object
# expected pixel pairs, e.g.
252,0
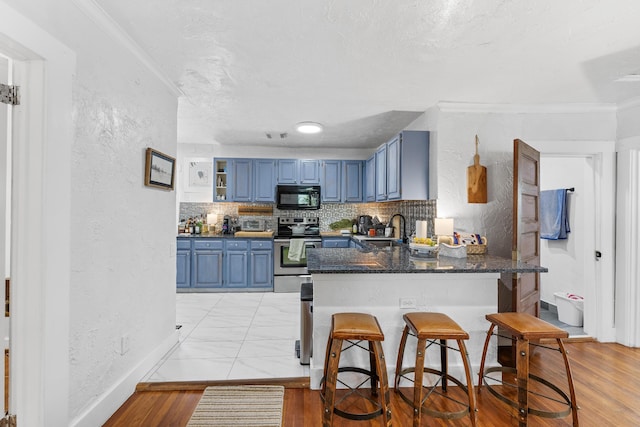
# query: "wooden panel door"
526,227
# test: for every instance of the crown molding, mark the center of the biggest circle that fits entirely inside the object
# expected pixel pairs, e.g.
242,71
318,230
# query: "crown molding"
469,107
629,103
98,15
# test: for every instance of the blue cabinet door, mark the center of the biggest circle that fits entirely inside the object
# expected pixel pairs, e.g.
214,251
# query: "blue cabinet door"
261,264
242,180
287,171
236,263
183,268
393,169
331,181
206,263
265,180
309,171
370,179
352,181
381,173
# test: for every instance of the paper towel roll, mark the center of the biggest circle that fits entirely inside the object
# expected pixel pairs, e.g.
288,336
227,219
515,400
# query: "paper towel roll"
421,229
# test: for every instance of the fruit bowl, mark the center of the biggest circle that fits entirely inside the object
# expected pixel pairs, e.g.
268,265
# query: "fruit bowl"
423,250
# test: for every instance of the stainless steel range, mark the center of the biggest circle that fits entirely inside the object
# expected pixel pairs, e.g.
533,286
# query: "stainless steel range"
290,266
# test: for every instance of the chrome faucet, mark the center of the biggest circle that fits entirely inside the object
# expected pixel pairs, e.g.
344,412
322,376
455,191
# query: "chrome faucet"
404,226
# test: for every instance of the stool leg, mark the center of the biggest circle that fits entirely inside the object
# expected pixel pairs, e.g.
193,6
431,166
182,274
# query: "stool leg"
326,364
467,370
522,368
331,376
373,367
417,383
403,342
484,356
444,363
381,368
572,393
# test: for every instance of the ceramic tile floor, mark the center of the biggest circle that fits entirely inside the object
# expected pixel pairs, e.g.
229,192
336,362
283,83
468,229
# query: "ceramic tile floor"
234,336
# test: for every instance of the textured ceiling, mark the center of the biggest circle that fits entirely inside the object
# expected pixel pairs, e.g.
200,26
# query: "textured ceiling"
367,68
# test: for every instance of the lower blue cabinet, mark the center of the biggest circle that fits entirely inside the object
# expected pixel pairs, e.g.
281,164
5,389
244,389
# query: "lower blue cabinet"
335,242
219,264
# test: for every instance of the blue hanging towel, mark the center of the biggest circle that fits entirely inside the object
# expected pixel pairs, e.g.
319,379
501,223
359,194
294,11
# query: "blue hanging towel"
554,221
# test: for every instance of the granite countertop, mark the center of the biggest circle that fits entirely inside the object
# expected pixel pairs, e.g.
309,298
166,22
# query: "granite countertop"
399,260
222,236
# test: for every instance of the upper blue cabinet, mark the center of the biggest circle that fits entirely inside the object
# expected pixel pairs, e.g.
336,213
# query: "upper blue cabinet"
402,167
245,180
298,172
342,181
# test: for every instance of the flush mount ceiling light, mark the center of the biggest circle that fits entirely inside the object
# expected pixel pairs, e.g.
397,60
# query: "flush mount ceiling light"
309,127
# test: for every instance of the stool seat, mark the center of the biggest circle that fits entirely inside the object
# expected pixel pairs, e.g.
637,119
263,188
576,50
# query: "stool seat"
356,326
526,326
435,326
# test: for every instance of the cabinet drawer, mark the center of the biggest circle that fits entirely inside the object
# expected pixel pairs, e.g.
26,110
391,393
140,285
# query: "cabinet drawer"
207,244
261,244
183,244
237,245
335,243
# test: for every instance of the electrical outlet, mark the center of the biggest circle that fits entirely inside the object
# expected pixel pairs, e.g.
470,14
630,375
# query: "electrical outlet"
407,303
124,344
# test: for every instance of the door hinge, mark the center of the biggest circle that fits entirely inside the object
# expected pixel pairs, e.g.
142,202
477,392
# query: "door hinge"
9,95
8,421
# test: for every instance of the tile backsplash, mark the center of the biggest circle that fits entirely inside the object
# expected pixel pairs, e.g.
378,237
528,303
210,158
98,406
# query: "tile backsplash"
412,210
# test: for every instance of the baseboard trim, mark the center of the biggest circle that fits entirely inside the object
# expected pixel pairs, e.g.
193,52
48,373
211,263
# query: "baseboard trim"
109,402
299,382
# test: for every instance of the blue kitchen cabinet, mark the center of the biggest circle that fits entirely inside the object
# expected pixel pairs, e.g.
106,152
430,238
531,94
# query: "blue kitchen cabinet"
330,181
241,186
287,171
393,169
264,188
335,242
354,244
402,167
236,263
381,173
352,181
207,263
370,179
309,171
261,264
183,263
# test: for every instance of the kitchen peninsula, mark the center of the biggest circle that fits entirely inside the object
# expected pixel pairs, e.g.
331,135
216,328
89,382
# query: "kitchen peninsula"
390,282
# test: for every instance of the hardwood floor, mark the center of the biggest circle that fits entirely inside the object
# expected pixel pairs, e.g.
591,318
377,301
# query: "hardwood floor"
605,378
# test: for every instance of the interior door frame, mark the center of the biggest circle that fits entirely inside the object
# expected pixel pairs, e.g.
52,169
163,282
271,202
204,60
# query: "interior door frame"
599,299
40,227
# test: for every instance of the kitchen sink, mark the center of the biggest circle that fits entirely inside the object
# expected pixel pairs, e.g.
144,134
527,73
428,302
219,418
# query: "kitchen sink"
383,243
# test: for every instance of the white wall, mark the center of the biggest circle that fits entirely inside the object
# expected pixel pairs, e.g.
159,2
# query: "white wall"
566,258
496,128
122,279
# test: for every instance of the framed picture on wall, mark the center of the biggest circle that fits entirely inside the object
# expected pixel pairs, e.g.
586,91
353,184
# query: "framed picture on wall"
199,175
160,170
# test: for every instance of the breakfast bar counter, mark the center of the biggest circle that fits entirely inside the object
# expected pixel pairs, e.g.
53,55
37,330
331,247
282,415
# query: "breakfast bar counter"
390,282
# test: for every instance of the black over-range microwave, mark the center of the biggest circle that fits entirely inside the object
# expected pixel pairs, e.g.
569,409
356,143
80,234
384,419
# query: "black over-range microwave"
298,197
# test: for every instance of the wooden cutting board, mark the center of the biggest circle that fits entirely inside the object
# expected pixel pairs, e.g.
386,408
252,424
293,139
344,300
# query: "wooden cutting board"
477,180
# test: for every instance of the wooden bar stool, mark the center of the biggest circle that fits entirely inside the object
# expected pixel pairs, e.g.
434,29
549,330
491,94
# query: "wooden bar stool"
354,328
523,328
430,329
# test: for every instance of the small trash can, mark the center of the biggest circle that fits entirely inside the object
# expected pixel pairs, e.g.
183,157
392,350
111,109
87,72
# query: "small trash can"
570,308
306,323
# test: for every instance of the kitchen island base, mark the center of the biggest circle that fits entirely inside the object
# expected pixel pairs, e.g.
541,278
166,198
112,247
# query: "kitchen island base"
465,297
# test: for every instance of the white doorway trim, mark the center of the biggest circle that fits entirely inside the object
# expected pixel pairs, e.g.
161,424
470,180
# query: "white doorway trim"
40,245
599,299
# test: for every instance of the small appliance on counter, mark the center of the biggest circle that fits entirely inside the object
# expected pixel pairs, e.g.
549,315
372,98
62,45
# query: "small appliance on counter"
253,225
226,225
365,222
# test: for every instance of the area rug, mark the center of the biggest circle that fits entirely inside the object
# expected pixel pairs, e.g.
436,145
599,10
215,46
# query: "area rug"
233,406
